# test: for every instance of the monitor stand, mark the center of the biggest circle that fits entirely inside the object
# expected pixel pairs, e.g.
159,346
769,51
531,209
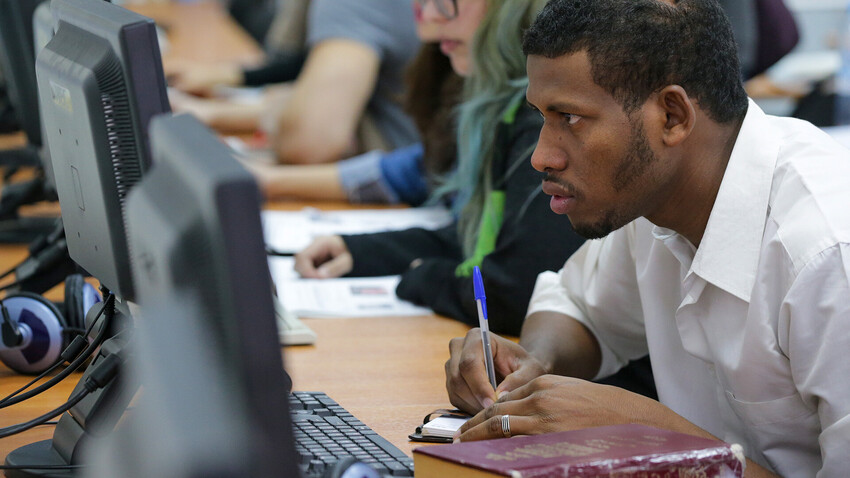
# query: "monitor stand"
94,415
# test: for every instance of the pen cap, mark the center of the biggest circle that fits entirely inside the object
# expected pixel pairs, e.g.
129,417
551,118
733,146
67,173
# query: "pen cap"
478,284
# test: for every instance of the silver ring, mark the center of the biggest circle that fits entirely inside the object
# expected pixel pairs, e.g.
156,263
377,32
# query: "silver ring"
506,426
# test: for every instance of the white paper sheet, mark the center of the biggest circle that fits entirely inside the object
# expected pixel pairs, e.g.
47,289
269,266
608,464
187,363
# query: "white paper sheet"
337,298
290,231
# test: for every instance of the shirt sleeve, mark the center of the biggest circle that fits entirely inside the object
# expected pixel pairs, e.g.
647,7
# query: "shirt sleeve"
386,26
598,287
816,316
403,172
363,181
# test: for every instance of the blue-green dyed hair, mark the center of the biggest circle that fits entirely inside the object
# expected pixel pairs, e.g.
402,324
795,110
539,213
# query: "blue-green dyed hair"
497,80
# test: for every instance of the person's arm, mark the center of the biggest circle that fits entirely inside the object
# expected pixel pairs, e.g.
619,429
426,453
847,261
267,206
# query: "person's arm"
392,252
303,181
318,123
221,115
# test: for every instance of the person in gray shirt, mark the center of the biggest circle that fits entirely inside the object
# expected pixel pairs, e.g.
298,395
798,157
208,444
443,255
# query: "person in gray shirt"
351,84
344,100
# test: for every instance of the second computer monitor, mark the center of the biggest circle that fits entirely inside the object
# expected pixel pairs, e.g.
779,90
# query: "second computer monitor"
100,82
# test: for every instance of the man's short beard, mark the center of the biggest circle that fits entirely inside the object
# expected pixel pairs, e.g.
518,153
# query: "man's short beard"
632,166
600,229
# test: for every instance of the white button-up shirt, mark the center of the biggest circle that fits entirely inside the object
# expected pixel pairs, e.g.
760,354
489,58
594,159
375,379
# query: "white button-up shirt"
749,334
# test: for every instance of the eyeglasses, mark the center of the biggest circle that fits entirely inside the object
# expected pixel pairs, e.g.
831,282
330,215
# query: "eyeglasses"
447,8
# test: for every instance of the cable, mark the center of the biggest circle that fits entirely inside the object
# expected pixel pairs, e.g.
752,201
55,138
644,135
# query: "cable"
70,353
38,245
21,427
100,376
274,252
46,258
12,284
41,467
107,304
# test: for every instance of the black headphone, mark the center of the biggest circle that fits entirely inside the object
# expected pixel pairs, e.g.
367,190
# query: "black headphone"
35,331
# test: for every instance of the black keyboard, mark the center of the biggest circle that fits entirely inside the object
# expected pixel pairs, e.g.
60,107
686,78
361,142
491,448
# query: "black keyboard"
325,433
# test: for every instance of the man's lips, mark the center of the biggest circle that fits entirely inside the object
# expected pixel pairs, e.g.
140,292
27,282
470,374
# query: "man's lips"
562,201
554,189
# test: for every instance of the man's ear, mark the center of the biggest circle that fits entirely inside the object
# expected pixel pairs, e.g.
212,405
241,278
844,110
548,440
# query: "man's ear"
680,113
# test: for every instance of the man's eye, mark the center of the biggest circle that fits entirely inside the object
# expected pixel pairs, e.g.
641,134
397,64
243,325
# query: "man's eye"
571,119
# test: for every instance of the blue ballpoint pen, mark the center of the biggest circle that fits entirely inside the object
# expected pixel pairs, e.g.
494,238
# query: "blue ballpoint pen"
481,302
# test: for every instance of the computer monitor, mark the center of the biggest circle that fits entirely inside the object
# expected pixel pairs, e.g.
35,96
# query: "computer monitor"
214,399
18,63
100,81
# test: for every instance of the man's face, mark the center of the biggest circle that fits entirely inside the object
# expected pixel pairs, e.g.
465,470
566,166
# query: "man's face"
600,168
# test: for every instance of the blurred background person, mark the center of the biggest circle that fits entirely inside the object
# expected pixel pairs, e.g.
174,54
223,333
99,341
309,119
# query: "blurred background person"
346,96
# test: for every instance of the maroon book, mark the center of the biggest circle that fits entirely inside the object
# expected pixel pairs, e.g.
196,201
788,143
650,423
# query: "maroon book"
619,450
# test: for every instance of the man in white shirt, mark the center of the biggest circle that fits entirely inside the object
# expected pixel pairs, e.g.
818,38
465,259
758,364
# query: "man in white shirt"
723,250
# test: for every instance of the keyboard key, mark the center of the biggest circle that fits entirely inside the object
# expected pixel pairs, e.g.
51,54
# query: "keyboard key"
398,469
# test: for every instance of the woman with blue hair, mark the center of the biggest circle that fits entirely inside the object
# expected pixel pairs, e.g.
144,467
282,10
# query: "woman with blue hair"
504,224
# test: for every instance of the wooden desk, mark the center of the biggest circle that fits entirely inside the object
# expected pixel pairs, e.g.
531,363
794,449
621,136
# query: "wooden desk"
12,140
386,371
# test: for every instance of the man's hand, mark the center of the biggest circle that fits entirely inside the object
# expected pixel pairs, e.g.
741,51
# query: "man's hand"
553,403
326,257
466,377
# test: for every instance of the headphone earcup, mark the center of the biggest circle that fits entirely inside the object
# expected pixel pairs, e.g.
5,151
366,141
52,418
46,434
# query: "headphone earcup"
80,296
44,334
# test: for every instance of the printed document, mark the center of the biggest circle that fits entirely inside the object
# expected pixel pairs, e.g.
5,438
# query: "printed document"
341,297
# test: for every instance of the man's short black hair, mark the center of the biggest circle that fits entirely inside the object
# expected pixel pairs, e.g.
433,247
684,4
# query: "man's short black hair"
637,47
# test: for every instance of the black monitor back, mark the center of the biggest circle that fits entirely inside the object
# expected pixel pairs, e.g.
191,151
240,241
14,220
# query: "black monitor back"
100,82
208,354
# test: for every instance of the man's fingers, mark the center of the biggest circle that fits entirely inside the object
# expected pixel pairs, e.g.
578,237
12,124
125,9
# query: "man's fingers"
472,368
492,428
488,424
515,381
459,393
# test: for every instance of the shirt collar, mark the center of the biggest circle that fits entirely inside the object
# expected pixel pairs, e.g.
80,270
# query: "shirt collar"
728,254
